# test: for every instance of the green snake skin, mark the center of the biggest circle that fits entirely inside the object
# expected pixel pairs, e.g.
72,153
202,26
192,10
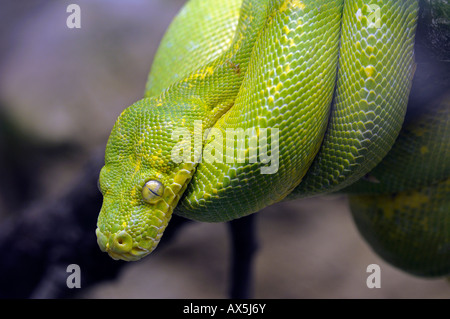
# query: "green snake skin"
249,103
409,229
402,209
370,98
419,157
191,42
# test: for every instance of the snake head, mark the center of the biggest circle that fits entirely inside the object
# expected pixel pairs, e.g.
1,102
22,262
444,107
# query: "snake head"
140,183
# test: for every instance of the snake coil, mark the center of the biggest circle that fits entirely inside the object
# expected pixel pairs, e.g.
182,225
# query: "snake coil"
251,102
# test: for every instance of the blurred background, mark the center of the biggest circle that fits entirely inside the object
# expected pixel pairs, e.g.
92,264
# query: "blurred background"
61,91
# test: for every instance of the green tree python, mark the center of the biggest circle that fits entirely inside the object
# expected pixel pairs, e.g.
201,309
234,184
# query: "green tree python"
253,102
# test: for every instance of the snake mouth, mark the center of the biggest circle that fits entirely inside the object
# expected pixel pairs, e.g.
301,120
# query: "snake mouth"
120,246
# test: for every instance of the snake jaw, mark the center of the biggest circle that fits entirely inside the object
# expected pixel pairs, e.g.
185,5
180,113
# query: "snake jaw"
134,240
132,230
120,245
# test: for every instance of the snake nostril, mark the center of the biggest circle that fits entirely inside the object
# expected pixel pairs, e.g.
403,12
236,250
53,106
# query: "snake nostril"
122,242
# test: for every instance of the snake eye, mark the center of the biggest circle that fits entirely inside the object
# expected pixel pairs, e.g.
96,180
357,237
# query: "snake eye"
152,191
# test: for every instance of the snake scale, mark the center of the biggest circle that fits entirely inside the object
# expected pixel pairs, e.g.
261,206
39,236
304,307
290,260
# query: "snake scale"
253,102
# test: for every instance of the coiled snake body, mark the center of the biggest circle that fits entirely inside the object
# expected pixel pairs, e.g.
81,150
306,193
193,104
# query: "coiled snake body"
252,102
